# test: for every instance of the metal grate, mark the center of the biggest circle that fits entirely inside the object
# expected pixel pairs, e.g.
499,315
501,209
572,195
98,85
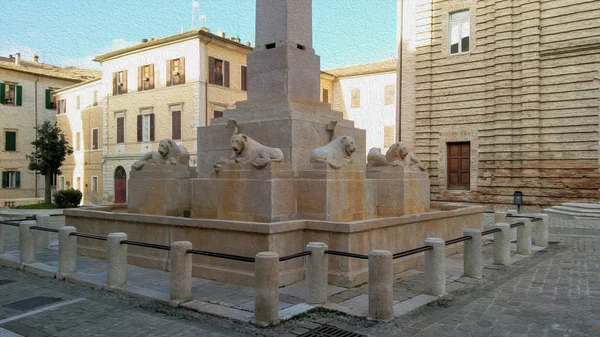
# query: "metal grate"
330,331
32,303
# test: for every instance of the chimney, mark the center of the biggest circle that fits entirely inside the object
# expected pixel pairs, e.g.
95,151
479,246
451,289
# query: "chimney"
221,33
18,58
36,58
249,44
11,58
144,40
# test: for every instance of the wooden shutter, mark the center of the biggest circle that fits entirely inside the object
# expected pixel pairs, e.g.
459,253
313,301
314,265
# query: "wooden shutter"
140,78
459,166
217,114
94,139
17,179
48,99
211,70
124,81
114,84
120,130
326,96
19,90
4,179
244,73
2,93
176,125
169,73
10,141
226,73
151,76
140,128
181,70
151,127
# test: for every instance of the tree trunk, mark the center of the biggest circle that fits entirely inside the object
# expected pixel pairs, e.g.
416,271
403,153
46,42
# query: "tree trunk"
48,189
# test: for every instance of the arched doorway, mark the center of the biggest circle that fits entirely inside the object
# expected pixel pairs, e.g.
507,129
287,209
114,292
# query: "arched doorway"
120,185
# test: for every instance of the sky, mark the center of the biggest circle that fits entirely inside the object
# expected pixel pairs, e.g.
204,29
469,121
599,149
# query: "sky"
73,32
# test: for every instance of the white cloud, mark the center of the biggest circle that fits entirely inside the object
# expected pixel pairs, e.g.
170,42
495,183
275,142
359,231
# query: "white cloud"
88,61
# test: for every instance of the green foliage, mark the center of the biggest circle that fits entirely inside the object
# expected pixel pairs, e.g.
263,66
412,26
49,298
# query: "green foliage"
67,198
51,148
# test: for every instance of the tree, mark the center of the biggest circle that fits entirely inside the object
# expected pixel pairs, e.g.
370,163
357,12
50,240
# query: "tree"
51,148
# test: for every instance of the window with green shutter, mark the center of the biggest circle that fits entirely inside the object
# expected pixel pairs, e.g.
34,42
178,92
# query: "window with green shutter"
10,141
19,95
4,179
11,179
49,102
2,93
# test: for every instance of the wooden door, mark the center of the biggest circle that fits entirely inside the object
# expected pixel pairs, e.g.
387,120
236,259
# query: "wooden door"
459,166
120,185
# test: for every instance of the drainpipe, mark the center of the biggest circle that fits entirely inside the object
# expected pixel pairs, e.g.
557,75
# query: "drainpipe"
399,110
206,87
36,129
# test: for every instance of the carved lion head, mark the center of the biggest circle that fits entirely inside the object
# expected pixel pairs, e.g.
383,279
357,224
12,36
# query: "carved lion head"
348,146
164,148
396,151
238,143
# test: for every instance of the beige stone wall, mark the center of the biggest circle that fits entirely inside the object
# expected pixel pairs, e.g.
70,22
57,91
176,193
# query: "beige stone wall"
525,96
22,119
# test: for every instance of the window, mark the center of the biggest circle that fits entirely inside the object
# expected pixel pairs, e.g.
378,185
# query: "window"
459,166
62,183
390,93
95,99
78,102
61,106
218,72
459,32
120,83
217,113
145,126
146,77
326,95
10,141
50,99
95,139
176,71
244,73
94,184
11,179
77,141
120,130
355,93
53,179
176,123
388,136
11,94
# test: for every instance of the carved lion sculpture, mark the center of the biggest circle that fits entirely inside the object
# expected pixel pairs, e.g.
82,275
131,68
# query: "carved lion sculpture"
398,153
337,153
376,159
168,153
247,150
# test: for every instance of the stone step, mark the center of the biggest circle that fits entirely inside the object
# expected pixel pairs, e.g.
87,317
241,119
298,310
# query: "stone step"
573,214
577,210
594,206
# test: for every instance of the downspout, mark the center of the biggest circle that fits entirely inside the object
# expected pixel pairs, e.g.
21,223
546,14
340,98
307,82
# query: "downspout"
36,130
206,86
399,111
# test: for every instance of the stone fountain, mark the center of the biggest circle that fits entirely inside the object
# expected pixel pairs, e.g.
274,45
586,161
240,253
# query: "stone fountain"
280,170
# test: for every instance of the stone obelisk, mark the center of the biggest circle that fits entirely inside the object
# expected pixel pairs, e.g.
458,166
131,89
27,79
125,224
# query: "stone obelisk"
283,108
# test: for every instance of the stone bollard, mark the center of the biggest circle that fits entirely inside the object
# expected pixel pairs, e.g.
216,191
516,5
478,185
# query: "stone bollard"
181,271
511,219
381,285
541,230
26,242
524,237
266,300
472,253
67,251
502,244
499,217
316,273
42,239
116,260
435,267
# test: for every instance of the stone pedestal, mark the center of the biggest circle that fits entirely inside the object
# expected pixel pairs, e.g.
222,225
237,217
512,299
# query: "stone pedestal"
243,192
331,194
400,190
159,190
